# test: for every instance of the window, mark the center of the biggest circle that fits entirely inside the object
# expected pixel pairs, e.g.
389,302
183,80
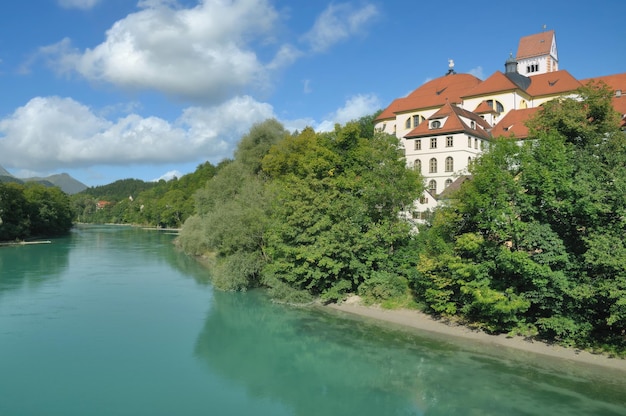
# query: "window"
432,187
416,121
469,141
472,124
448,183
423,200
449,141
407,124
417,165
475,143
449,164
418,144
433,143
433,165
469,161
496,105
435,124
532,68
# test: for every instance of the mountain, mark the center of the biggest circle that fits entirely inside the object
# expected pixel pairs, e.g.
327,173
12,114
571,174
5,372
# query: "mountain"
64,181
4,172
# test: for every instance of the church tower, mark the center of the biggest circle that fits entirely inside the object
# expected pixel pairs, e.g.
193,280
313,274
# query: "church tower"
536,54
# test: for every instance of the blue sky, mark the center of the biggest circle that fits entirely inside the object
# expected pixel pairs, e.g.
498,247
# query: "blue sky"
114,89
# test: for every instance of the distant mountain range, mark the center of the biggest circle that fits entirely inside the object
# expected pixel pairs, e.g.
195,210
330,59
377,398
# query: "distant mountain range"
64,181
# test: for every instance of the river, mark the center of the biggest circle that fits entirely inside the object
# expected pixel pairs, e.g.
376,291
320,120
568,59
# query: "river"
115,321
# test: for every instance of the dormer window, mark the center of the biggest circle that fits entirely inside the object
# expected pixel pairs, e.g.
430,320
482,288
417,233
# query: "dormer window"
618,93
473,124
435,124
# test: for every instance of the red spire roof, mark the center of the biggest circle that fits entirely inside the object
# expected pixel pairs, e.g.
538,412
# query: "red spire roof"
538,44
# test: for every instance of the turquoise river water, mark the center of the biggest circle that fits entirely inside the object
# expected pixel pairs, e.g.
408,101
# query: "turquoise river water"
115,321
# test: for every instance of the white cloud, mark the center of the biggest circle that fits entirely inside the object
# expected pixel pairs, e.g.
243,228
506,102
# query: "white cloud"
337,23
52,132
477,72
355,108
167,176
203,53
78,4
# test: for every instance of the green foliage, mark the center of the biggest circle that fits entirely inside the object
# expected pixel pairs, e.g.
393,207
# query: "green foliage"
132,201
308,214
382,286
534,242
33,210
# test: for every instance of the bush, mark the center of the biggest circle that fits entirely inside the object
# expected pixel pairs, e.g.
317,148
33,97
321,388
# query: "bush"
383,285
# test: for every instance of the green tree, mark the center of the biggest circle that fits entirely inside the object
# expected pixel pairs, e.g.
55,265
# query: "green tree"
534,241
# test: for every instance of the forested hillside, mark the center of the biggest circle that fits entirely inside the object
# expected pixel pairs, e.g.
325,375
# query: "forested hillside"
32,211
133,201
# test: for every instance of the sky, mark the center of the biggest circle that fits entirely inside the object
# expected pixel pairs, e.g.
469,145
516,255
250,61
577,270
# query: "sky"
114,89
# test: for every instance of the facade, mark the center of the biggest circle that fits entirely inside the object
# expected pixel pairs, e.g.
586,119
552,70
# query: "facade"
448,121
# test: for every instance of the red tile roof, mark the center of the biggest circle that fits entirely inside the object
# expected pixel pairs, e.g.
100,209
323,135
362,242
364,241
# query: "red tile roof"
453,124
484,108
535,45
495,83
513,124
434,93
552,83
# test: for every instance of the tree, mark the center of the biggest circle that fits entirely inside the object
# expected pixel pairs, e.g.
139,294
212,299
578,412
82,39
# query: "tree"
335,221
534,241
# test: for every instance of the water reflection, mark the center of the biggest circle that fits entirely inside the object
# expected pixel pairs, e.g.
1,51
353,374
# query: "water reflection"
29,266
315,363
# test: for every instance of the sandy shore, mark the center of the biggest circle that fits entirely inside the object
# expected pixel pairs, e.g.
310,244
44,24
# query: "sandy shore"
422,322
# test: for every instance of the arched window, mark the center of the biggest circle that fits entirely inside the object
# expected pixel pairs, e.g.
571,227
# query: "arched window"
433,165
407,124
448,182
496,105
449,164
417,165
435,124
432,187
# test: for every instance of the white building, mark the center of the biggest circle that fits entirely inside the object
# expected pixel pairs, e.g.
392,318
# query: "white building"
448,121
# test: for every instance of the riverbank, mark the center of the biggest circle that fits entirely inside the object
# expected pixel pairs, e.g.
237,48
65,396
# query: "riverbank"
422,322
23,243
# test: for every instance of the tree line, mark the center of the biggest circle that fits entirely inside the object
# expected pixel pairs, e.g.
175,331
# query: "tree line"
532,244
32,211
164,204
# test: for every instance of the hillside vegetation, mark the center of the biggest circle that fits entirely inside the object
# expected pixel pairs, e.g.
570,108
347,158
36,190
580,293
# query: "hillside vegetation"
133,201
32,211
